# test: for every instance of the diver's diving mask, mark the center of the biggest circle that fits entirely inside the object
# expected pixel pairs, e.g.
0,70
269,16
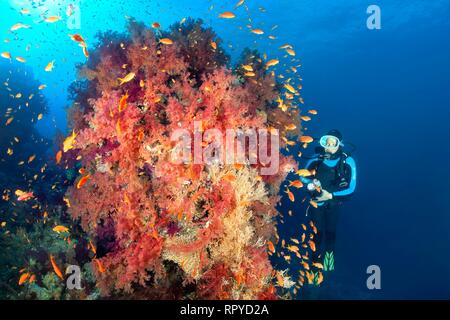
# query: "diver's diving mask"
330,142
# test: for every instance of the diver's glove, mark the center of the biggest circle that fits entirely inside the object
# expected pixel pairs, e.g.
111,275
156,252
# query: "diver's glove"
325,196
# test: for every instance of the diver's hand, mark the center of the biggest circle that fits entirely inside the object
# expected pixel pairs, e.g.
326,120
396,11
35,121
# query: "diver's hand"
325,196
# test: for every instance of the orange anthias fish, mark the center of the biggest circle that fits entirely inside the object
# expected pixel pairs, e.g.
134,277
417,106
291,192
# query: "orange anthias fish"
257,31
247,67
312,111
69,142
100,266
60,229
291,127
18,26
85,52
290,195
319,278
67,201
49,67
290,143
23,196
270,246
306,139
156,25
286,46
313,227
227,15
290,52
53,19
305,265
290,88
92,247
318,265
214,45
77,38
23,278
58,157
310,277
83,181
280,279
296,183
6,55
56,268
127,78
123,102
303,173
166,41
272,63
312,245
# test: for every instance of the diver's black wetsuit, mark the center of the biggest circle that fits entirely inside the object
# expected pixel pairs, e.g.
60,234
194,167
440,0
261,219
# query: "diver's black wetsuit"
337,176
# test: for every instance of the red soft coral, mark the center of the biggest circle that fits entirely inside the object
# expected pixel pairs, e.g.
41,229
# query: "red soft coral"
144,210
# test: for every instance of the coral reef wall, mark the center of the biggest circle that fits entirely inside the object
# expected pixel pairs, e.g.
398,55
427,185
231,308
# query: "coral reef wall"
167,230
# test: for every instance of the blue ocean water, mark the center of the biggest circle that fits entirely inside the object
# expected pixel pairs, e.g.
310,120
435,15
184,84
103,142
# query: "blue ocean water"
386,90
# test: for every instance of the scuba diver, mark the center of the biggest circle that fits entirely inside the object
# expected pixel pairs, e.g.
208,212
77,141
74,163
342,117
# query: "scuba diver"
333,181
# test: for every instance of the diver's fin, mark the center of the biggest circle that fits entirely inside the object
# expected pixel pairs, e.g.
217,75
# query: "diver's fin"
328,262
